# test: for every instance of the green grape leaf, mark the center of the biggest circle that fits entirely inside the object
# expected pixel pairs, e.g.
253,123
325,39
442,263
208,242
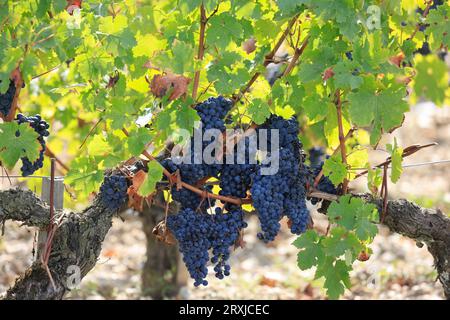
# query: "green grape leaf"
374,179
84,174
316,108
354,214
337,278
137,140
186,117
259,111
98,146
397,159
339,241
13,147
365,228
335,170
431,80
154,175
113,25
288,6
223,29
384,108
117,112
439,26
312,253
345,75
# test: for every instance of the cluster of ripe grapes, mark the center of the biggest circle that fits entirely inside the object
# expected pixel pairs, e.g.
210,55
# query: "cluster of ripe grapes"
41,127
207,230
113,191
203,226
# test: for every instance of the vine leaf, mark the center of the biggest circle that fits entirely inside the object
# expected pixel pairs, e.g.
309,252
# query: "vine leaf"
153,176
17,141
135,200
98,146
335,170
137,140
439,24
259,111
312,253
354,214
340,241
84,174
346,75
397,159
113,25
223,29
383,108
337,277
431,80
186,116
177,85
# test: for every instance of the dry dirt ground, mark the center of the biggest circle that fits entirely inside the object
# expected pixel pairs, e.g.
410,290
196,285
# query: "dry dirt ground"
398,269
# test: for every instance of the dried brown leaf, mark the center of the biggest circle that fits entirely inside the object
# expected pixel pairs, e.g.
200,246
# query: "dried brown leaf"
162,84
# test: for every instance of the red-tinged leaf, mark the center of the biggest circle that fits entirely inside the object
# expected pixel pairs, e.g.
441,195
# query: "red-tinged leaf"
327,74
162,84
136,201
72,5
398,59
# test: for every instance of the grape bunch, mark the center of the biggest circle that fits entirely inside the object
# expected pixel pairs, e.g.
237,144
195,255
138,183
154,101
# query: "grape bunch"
193,231
268,198
213,111
225,233
113,192
284,192
41,127
6,99
205,231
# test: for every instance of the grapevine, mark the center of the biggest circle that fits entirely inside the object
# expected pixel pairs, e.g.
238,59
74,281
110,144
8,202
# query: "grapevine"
119,80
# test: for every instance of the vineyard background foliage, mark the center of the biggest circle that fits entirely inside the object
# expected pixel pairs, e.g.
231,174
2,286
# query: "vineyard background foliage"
117,78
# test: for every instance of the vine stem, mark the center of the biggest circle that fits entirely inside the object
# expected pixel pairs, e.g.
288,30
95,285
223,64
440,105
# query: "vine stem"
268,59
201,49
341,137
424,15
406,152
348,135
202,193
298,52
49,153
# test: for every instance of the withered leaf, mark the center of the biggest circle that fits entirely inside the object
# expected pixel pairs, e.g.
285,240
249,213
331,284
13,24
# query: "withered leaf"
162,84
